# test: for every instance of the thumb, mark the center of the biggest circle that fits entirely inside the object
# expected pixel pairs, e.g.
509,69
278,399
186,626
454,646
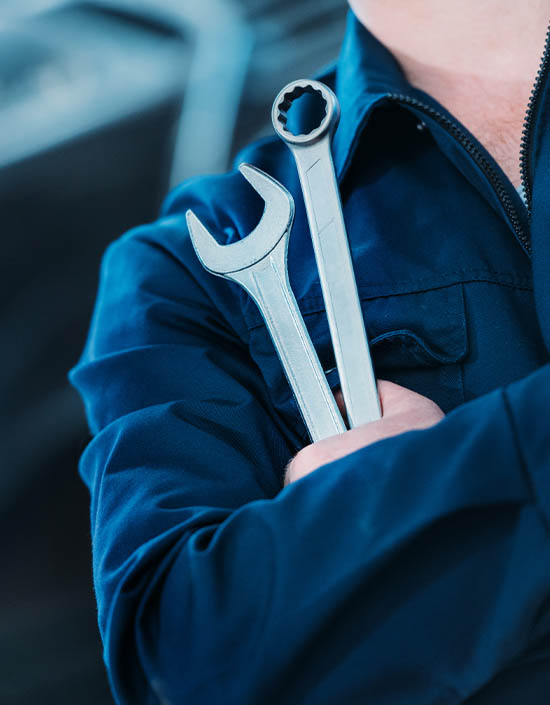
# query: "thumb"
394,398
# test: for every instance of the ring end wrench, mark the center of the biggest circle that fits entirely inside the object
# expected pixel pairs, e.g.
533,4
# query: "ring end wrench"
313,156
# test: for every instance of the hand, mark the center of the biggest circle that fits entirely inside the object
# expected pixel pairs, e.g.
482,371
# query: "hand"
402,410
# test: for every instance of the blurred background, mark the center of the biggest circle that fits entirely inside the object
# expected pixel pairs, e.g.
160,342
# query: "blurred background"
103,107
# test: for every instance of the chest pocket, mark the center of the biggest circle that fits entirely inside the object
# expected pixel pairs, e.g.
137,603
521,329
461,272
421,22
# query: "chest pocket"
417,339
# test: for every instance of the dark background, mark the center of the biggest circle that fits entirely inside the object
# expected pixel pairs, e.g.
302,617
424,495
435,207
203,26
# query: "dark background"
103,107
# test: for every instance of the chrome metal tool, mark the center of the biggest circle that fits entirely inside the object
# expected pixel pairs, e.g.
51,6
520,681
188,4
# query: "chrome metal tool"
259,264
313,156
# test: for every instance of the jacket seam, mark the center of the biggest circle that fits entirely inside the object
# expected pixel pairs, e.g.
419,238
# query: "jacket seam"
253,319
490,277
524,464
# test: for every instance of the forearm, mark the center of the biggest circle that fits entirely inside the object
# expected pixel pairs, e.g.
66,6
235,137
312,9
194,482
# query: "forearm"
212,586
528,403
332,571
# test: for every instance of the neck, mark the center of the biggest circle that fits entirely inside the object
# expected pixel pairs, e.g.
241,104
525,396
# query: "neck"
485,39
479,58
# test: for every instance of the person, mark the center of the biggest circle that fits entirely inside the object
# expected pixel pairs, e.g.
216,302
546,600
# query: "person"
407,561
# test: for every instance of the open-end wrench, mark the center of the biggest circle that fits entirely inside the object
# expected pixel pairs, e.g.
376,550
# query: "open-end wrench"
259,264
313,156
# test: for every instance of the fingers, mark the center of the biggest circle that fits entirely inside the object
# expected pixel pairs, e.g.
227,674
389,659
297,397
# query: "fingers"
395,399
392,396
339,398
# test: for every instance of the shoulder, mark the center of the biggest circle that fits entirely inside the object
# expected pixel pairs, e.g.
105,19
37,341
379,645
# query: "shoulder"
226,201
154,265
159,256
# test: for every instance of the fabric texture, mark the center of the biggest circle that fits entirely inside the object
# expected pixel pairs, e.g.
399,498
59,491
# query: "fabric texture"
416,570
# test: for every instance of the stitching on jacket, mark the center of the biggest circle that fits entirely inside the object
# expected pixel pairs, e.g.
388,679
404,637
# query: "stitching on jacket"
509,276
524,465
314,304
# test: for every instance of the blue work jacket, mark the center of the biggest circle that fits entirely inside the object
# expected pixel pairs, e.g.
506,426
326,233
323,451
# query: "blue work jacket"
415,571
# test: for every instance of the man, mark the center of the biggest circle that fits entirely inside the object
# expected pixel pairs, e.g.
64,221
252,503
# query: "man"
413,565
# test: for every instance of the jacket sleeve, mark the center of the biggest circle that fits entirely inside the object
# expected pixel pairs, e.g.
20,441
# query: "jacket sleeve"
412,570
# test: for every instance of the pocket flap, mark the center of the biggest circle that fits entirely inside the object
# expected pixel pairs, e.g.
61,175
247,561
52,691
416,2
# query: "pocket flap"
419,329
415,338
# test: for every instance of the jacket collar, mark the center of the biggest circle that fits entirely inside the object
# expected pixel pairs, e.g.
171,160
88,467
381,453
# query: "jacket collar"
365,73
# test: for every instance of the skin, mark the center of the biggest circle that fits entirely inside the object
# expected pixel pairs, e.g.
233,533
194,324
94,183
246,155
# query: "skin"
403,410
478,58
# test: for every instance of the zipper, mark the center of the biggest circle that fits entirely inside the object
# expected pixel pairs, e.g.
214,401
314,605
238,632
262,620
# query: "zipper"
527,134
485,165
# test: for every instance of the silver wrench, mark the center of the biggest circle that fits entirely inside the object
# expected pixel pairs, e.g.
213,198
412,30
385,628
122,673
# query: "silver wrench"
313,156
259,264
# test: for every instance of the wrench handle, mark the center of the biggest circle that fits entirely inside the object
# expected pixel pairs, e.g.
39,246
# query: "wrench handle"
270,288
338,284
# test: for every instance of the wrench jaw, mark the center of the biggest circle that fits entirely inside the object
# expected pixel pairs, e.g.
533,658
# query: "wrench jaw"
283,102
278,215
275,223
207,249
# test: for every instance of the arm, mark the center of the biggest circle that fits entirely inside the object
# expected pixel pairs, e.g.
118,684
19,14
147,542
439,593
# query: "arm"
402,410
214,586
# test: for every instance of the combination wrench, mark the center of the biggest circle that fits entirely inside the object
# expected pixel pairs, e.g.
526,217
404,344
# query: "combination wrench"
312,153
259,264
